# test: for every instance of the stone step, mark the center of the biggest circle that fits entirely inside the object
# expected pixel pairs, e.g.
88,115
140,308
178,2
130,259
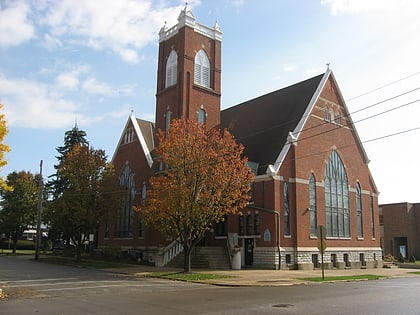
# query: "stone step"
204,257
389,264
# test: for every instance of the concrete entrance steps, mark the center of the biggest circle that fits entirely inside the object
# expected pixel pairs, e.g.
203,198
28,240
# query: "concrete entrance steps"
390,264
204,257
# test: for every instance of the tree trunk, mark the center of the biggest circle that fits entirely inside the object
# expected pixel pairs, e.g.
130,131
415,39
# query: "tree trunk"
79,247
15,240
78,251
187,259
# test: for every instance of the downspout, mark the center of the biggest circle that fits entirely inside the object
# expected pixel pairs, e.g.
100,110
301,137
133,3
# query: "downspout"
278,228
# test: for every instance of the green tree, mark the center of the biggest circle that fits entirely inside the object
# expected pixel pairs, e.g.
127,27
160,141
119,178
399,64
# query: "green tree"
58,183
18,205
206,178
91,194
3,147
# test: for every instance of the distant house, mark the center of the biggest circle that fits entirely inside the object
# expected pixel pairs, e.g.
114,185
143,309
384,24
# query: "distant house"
310,165
400,230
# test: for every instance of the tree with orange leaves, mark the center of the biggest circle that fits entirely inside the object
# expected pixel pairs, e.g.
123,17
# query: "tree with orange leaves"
3,147
204,178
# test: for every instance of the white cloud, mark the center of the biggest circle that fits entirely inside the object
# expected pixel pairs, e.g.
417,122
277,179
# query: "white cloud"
289,68
356,6
94,87
124,26
70,79
67,80
129,55
31,104
51,42
14,25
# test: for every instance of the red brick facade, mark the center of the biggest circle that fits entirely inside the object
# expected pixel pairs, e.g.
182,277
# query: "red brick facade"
323,126
400,223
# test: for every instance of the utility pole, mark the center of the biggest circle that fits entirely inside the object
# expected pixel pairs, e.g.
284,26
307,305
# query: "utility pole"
38,225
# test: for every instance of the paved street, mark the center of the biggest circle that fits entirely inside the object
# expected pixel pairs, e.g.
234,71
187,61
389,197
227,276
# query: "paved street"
40,288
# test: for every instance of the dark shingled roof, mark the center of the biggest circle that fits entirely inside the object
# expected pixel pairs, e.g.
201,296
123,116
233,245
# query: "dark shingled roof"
263,123
147,129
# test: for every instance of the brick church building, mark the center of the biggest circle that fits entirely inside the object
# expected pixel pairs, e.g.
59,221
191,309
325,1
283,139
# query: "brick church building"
310,165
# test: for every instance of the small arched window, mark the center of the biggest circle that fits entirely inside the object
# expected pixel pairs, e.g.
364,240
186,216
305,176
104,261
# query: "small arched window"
248,224
359,211
241,225
257,224
338,118
202,116
332,116
326,113
171,69
286,208
143,191
202,69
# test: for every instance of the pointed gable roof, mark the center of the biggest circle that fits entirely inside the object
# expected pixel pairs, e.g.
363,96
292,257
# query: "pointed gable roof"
263,123
145,131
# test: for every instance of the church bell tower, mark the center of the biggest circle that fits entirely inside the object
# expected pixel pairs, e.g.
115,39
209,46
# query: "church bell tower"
189,72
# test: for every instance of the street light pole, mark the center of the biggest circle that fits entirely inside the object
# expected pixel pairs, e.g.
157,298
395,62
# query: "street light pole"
38,225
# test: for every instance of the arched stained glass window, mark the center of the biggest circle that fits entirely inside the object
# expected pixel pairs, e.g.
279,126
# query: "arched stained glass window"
125,215
286,208
312,204
359,211
202,69
171,69
336,198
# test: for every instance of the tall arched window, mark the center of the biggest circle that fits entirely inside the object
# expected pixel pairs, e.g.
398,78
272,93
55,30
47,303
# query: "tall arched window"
312,204
168,119
171,69
202,116
336,198
286,208
124,222
359,211
202,69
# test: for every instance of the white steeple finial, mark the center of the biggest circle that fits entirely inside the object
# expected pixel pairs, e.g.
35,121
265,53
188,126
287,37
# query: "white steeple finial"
328,65
217,26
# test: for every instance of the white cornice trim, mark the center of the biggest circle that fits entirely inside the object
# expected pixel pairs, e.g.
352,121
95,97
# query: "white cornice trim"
186,18
296,132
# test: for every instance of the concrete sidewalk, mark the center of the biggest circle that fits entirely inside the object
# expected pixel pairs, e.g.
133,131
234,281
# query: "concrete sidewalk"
257,277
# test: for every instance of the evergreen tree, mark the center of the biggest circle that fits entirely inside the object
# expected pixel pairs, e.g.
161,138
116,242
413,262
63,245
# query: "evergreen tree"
58,182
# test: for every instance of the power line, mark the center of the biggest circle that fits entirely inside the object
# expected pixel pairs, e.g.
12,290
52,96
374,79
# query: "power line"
325,122
352,144
383,86
351,124
385,100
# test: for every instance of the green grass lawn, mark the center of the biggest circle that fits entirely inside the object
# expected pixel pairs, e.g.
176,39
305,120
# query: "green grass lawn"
189,277
345,278
18,252
415,273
